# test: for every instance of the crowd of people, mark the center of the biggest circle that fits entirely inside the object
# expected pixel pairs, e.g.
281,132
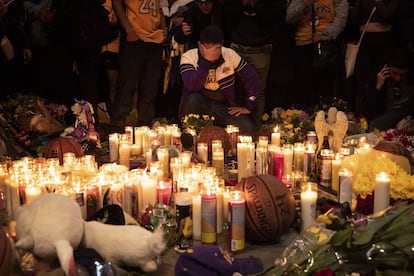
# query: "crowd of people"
232,59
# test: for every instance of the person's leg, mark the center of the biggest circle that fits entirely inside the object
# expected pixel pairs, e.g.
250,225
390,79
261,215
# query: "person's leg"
196,103
127,82
223,118
149,82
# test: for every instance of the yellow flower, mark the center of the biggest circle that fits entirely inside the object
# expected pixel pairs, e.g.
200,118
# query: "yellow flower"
265,117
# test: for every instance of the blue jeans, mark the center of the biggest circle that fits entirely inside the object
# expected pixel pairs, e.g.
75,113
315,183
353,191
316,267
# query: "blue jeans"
196,103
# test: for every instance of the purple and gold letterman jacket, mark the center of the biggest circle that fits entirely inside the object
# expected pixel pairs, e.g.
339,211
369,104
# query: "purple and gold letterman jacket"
194,70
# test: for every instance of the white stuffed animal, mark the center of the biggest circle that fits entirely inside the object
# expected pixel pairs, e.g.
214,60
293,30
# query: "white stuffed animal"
128,245
50,226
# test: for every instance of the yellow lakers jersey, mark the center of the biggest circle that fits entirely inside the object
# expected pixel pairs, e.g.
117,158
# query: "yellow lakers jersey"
324,14
145,18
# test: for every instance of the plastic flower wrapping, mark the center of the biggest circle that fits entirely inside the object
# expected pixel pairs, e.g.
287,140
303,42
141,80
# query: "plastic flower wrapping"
293,124
340,243
196,122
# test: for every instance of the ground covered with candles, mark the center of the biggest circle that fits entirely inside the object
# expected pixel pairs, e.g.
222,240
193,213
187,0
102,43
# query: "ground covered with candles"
200,198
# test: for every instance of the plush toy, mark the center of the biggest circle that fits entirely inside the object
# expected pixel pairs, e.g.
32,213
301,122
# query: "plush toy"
50,226
129,245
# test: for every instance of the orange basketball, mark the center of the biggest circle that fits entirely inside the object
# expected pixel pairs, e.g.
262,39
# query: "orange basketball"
270,207
58,146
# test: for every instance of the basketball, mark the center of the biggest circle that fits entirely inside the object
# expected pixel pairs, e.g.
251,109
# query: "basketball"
270,207
56,147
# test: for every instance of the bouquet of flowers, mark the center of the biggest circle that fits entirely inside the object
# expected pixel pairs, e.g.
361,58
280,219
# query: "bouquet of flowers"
337,245
293,124
196,122
159,215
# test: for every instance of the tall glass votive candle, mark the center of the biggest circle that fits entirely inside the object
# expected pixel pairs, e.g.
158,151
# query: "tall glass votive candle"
308,198
113,147
298,156
287,158
164,189
345,186
278,163
381,192
208,216
237,206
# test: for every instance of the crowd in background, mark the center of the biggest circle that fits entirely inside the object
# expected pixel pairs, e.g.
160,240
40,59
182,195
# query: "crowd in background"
137,65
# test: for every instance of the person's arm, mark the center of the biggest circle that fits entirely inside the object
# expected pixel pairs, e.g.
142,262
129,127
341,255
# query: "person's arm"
382,76
295,10
123,20
193,76
249,79
338,25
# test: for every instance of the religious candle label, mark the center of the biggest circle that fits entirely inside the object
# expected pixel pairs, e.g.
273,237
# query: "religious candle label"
131,201
92,199
237,221
345,189
325,169
184,226
208,219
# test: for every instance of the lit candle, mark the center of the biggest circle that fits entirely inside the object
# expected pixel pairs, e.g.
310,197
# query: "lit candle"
309,160
263,141
233,132
345,186
113,147
298,156
381,192
124,153
261,160
163,158
196,217
241,161
148,192
129,132
275,139
218,160
131,200
167,136
92,200
138,139
325,168
164,191
202,152
208,216
336,165
226,198
308,198
32,192
116,194
287,158
237,205
4,178
183,216
278,163
135,150
78,196
220,206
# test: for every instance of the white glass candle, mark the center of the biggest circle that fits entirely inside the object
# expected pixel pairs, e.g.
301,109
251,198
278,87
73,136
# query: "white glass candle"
32,192
124,153
336,166
236,206
218,160
196,217
381,192
287,158
163,158
148,192
275,139
208,216
202,152
298,156
129,132
345,186
308,198
138,139
113,147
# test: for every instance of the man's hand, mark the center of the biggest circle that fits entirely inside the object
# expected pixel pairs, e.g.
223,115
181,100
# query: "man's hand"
237,111
382,76
185,27
211,54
